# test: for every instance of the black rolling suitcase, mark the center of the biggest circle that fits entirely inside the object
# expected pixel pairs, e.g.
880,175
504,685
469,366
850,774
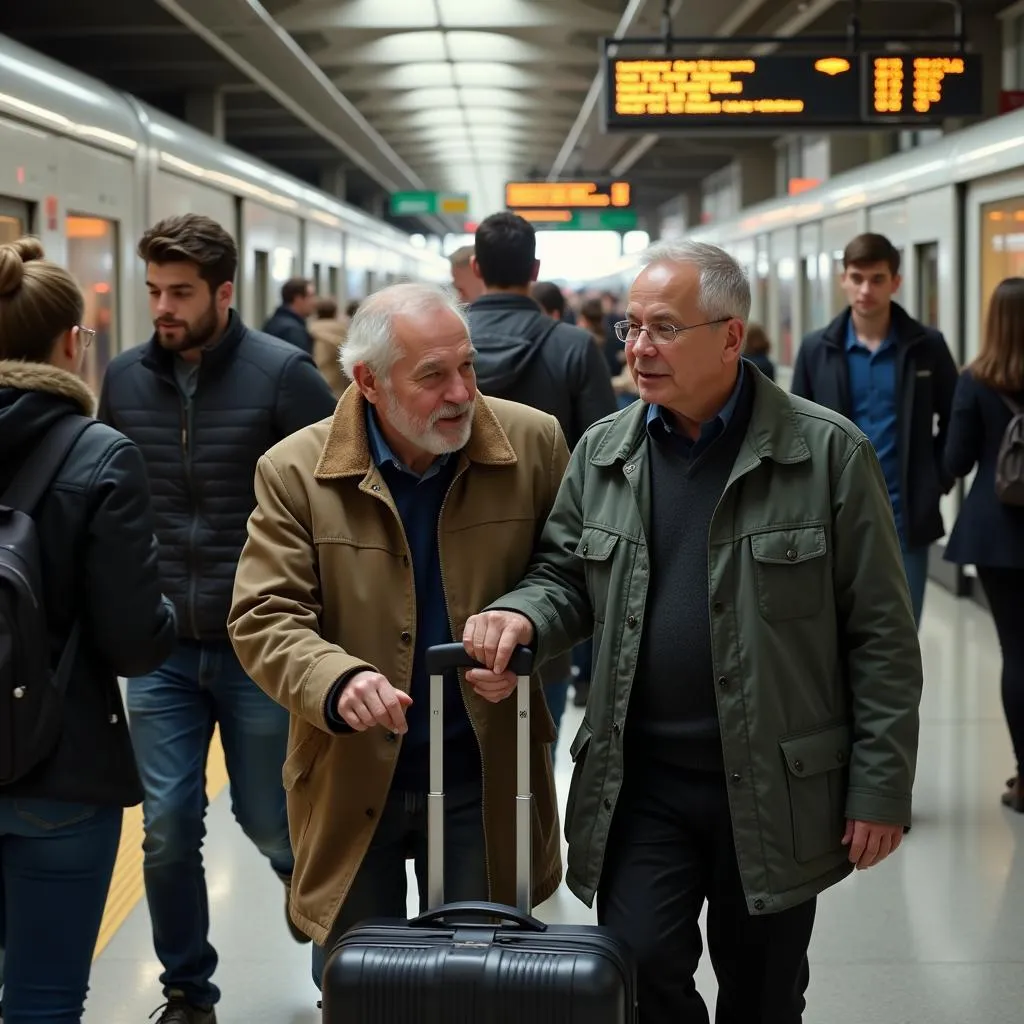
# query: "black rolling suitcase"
478,963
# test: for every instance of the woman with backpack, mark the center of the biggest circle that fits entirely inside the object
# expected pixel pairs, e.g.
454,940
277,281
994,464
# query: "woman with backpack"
80,604
987,429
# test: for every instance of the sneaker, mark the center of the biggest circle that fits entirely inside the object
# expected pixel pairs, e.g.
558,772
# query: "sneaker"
297,934
178,1011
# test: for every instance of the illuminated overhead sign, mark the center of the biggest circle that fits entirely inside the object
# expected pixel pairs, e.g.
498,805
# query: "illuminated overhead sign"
790,91
567,195
549,219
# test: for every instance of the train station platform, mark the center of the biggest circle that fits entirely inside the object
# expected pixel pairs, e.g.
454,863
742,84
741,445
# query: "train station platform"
931,936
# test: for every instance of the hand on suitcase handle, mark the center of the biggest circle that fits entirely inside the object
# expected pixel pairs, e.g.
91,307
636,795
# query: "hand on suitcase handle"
493,637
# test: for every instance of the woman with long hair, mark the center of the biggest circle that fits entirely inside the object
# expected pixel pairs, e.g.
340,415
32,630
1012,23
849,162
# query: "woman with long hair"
103,616
989,533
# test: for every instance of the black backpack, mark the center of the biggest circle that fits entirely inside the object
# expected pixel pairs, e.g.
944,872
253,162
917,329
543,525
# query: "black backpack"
31,691
1010,461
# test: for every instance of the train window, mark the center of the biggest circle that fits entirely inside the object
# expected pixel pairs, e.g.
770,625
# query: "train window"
92,258
316,278
839,302
332,282
927,256
261,276
1002,241
13,219
785,275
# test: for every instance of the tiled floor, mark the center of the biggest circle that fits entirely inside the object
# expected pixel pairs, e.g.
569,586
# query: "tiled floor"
933,936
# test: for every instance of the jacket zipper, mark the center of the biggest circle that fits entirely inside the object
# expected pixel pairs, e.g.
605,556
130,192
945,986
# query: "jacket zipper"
465,703
190,565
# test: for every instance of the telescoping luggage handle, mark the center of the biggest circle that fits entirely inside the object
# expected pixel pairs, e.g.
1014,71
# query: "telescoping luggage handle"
441,659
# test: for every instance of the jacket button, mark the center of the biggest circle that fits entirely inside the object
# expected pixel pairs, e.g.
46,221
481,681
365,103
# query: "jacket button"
586,548
391,737
631,620
841,756
113,720
723,682
718,607
798,766
616,728
759,904
791,554
405,561
607,804
375,487
370,813
406,636
736,778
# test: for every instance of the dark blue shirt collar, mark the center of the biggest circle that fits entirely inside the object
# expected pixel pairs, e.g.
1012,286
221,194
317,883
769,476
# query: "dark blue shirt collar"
383,455
853,342
657,416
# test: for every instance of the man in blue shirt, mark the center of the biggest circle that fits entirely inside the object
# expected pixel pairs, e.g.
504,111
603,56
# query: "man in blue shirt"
894,377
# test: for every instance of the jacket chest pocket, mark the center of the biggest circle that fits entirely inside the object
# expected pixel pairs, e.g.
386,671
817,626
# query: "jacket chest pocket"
791,569
596,548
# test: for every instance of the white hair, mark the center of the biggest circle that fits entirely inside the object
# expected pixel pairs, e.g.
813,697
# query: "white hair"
724,290
371,335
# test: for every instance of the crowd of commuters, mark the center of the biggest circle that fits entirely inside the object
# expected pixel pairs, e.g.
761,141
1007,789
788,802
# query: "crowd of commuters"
264,531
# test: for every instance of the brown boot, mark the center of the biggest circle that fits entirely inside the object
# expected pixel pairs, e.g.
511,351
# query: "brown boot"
1014,795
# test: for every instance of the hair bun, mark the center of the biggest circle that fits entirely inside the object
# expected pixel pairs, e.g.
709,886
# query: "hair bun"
13,257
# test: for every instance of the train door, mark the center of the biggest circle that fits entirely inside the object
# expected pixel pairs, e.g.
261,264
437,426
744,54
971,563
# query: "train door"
92,256
15,219
926,263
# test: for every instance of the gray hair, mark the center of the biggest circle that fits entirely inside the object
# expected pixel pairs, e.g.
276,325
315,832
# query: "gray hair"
371,335
724,288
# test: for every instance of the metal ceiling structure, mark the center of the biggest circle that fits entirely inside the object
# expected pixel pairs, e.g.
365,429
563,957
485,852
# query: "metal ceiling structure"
448,95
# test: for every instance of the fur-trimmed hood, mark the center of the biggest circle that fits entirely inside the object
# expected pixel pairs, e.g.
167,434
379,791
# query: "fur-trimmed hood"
33,396
24,376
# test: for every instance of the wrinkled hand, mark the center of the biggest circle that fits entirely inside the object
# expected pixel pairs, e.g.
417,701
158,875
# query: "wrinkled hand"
871,843
368,699
490,638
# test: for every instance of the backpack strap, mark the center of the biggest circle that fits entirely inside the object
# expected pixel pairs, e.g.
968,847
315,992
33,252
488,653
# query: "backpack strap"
39,470
1015,407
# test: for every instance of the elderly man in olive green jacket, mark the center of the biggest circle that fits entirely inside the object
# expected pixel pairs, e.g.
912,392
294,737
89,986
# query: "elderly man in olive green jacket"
751,732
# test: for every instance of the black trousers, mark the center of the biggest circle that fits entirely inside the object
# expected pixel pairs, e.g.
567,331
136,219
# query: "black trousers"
1004,589
670,849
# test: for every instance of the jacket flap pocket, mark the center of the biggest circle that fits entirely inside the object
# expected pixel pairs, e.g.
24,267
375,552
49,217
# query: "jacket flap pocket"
580,742
817,752
300,759
596,545
789,547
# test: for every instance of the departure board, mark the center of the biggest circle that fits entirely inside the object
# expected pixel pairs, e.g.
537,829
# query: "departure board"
790,91
921,87
567,195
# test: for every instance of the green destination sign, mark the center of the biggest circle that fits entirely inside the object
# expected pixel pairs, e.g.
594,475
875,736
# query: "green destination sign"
419,204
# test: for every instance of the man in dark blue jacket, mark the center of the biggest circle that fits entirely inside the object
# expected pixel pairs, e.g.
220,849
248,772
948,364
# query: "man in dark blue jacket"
895,379
203,400
298,303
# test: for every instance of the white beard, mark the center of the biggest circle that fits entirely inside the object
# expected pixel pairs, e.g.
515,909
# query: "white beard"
424,433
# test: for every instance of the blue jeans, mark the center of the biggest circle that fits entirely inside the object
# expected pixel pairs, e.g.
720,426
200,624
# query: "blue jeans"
379,888
171,714
56,860
915,565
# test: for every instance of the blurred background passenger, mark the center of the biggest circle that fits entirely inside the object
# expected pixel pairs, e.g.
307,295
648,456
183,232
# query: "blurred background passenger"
549,297
989,531
329,335
468,286
62,804
756,349
298,300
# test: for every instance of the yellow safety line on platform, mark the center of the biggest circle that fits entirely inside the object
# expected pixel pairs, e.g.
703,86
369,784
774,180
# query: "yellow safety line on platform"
126,887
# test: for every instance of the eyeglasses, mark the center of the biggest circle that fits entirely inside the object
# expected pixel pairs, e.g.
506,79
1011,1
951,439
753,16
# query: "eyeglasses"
86,334
660,334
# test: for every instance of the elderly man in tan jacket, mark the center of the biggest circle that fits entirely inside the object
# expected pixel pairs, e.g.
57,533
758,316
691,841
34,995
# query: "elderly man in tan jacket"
377,534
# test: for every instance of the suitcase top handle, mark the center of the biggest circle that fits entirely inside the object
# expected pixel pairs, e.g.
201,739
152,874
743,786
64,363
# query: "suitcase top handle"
448,656
492,910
